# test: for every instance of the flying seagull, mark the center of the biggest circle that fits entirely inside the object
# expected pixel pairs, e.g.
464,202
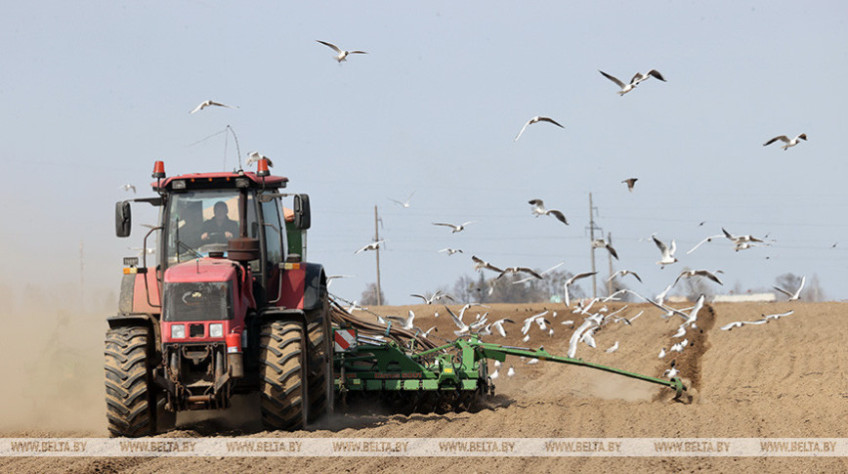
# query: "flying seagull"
438,295
622,273
450,251
692,273
480,264
456,228
534,120
639,77
785,139
404,204
209,103
255,156
539,210
342,54
571,281
630,182
667,252
371,246
128,187
708,239
526,279
612,348
527,270
797,294
603,244
406,323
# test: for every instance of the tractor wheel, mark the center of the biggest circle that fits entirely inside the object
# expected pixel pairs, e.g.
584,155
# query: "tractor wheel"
130,406
321,389
282,369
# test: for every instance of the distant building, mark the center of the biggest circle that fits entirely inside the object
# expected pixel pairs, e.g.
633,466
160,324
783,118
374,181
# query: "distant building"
745,298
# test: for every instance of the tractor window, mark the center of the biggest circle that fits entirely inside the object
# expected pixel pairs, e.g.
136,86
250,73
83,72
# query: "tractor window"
203,221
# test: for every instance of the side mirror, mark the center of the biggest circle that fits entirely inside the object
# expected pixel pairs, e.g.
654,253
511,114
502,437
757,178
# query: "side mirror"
302,215
123,219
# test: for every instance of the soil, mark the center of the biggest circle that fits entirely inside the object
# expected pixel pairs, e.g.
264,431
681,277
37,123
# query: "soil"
784,379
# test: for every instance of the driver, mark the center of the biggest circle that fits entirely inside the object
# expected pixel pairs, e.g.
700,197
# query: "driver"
220,228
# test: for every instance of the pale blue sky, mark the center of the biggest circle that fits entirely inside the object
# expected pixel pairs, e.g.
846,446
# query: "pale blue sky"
91,93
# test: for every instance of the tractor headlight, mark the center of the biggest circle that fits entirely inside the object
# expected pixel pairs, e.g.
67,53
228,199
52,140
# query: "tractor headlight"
178,331
216,330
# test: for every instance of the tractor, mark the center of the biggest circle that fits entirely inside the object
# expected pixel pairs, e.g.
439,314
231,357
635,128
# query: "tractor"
230,306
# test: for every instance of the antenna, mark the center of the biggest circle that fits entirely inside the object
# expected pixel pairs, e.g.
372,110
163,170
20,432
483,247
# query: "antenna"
592,228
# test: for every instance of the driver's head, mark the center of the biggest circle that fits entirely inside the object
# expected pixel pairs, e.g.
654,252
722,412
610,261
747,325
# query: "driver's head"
220,210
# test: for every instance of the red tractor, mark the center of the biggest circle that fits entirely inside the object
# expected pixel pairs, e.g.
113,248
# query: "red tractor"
229,307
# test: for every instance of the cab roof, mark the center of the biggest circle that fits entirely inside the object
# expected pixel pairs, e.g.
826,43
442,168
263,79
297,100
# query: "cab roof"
220,179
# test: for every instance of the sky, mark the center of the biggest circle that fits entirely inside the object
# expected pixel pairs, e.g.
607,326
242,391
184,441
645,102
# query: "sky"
93,92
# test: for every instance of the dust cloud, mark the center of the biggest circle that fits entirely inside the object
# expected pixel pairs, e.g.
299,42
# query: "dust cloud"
51,350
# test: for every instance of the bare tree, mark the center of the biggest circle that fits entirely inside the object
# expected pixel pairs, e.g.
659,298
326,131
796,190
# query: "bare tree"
369,296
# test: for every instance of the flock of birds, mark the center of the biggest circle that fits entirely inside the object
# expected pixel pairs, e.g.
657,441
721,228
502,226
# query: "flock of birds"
593,320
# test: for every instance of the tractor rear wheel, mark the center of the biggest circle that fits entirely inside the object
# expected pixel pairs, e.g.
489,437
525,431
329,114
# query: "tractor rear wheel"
282,369
130,406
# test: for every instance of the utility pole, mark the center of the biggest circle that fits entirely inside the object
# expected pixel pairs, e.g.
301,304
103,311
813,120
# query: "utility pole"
609,255
377,251
591,246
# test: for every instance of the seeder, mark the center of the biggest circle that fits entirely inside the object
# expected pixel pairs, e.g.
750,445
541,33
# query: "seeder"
412,374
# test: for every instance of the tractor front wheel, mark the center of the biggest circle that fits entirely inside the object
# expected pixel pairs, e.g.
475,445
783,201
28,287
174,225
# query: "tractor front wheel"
130,405
282,370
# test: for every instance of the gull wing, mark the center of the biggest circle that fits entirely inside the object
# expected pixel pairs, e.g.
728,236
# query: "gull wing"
782,138
612,78
331,45
656,74
522,131
548,119
783,291
559,215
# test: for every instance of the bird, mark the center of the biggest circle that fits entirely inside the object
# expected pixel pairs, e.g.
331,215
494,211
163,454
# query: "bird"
797,294
456,228
708,239
662,353
528,322
630,182
481,264
730,326
371,246
498,325
533,361
255,156
535,120
494,375
406,323
612,348
603,244
571,281
672,372
128,187
681,331
740,239
434,297
660,299
450,251
526,279
330,278
623,273
637,78
404,204
778,316
462,328
539,210
702,273
342,54
785,139
510,372
667,252
529,271
209,103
